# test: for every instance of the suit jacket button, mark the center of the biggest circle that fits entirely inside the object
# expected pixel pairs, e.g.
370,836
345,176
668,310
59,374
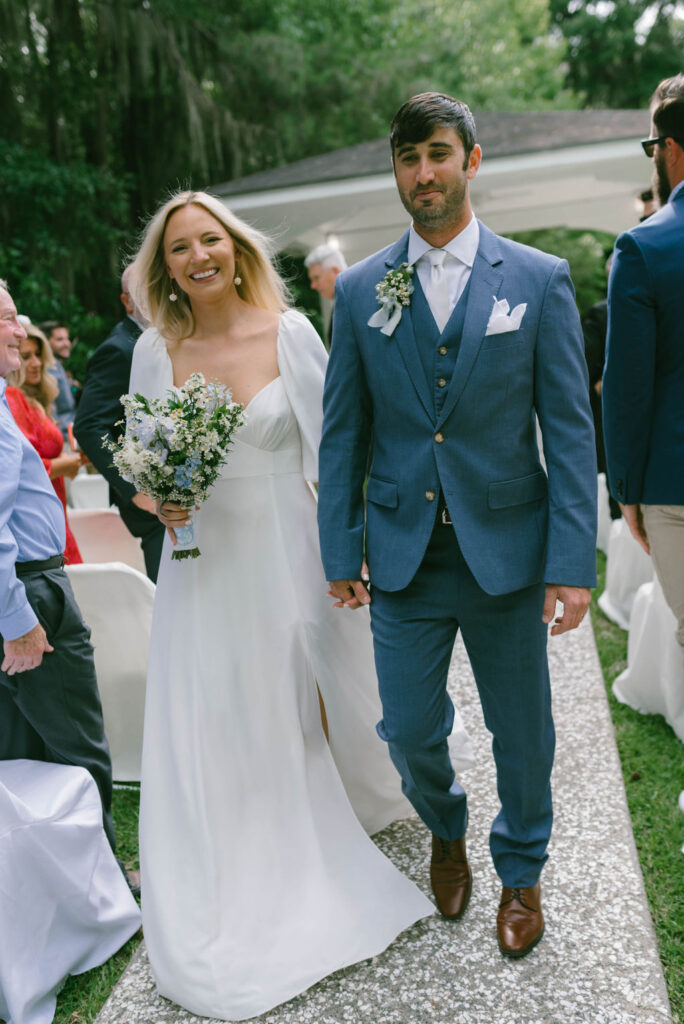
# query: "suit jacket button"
439,437
442,350
441,382
430,495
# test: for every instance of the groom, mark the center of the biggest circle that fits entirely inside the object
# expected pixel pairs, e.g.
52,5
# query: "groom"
461,526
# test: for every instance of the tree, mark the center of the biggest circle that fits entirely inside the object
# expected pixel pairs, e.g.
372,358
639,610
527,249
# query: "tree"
619,50
115,102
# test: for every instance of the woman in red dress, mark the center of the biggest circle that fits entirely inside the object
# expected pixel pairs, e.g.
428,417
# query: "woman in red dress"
32,391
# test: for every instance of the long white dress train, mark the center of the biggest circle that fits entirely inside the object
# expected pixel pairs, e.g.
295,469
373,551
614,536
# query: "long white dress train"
258,879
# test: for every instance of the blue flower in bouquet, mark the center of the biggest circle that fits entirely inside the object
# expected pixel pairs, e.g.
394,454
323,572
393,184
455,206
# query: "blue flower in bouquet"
174,447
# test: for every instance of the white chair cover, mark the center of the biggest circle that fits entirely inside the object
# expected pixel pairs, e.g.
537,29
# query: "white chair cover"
102,537
627,567
116,602
88,490
64,904
604,520
653,682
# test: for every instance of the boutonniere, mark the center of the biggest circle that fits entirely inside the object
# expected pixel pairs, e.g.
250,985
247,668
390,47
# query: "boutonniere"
499,319
394,291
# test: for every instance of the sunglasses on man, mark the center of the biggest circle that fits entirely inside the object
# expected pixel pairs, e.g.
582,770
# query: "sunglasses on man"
648,145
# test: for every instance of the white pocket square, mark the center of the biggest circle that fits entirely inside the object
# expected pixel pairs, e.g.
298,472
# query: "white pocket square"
499,319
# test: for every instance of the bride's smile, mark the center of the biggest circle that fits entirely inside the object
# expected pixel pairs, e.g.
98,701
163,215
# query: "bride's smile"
199,253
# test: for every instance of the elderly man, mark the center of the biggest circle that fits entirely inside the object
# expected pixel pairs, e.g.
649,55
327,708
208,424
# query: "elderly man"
643,382
324,263
100,412
49,702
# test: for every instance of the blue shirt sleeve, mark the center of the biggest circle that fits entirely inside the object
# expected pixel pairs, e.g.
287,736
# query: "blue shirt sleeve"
16,615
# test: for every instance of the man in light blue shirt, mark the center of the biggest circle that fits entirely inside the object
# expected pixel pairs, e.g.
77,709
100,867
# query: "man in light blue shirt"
49,702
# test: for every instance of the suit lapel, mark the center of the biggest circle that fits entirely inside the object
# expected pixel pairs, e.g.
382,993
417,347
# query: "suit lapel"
485,282
404,336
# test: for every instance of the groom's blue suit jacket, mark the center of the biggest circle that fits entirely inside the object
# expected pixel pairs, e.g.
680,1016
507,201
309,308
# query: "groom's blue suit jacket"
516,523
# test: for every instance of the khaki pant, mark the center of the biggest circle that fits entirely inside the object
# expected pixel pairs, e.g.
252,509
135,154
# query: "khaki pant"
665,531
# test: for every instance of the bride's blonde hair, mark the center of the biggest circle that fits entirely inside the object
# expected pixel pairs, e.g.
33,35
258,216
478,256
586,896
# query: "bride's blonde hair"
150,285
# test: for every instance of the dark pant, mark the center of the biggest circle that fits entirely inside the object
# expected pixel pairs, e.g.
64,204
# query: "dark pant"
151,533
414,632
53,712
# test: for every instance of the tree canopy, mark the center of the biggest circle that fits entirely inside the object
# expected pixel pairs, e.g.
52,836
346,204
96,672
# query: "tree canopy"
109,105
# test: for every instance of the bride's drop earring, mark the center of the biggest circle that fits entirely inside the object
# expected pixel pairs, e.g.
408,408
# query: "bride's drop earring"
237,279
172,295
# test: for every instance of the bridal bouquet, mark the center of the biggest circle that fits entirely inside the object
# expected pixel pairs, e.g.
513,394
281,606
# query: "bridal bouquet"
174,447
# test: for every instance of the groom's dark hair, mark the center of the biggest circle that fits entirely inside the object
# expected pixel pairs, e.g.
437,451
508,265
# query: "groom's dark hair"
417,119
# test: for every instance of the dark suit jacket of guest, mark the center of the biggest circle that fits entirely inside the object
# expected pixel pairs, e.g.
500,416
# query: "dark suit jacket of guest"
100,408
643,382
98,413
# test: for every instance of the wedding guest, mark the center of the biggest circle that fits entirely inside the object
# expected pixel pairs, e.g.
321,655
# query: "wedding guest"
324,263
649,204
99,414
643,382
65,404
49,703
594,327
31,397
461,526
238,780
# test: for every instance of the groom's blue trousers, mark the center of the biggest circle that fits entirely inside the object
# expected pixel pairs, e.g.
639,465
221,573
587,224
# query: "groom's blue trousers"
414,632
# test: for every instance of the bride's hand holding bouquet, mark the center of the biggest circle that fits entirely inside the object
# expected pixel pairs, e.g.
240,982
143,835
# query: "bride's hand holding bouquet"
173,450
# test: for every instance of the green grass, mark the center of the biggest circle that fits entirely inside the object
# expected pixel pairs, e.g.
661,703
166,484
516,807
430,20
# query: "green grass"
652,760
653,769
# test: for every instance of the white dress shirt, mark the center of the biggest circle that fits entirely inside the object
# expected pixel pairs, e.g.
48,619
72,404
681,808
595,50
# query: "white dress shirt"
461,252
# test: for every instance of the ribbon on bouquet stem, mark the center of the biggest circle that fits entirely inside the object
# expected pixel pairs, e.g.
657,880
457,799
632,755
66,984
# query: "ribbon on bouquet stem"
186,544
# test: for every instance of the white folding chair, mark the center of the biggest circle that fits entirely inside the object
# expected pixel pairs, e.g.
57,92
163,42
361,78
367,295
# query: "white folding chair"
116,602
653,681
65,906
102,537
627,567
88,490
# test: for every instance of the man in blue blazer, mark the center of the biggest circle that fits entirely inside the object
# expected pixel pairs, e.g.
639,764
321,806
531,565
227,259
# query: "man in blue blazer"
643,381
445,346
100,412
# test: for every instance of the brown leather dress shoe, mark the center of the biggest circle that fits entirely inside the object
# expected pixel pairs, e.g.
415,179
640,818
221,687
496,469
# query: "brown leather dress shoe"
520,922
450,875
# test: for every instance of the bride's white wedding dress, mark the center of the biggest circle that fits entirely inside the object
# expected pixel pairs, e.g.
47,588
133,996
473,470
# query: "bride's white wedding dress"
257,878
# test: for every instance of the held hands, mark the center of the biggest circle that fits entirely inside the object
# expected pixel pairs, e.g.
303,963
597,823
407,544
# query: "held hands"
144,502
351,593
66,464
172,515
575,601
26,652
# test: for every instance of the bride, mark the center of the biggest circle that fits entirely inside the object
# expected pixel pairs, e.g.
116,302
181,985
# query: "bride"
257,878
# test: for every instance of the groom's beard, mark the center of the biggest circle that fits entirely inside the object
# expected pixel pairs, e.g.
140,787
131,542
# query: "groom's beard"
441,211
660,182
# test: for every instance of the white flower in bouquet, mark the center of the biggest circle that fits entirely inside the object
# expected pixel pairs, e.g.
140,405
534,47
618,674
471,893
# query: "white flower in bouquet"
174,447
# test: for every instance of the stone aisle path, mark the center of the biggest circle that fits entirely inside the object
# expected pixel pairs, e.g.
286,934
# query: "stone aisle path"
598,961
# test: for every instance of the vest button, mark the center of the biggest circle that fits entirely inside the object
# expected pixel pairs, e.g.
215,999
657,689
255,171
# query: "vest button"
441,382
430,495
442,350
439,437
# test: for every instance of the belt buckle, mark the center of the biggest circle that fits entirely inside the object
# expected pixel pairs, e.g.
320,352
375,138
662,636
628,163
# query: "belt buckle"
446,518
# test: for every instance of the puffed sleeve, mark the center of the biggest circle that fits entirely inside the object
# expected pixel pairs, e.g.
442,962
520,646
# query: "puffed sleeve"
151,369
302,360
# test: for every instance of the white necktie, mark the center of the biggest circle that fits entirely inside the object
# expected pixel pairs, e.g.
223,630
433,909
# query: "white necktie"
437,291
